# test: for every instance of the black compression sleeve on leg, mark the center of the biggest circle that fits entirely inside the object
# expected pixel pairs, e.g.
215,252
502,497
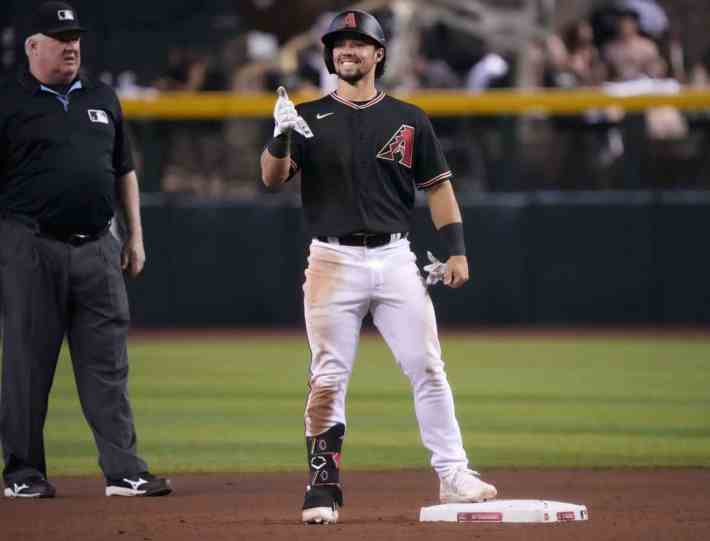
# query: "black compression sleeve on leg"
452,235
280,146
324,456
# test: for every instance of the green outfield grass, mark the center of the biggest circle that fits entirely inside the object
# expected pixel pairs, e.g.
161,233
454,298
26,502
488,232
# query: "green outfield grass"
237,405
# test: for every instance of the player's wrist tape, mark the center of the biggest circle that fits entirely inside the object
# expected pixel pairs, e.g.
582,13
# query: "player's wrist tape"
452,235
280,146
324,456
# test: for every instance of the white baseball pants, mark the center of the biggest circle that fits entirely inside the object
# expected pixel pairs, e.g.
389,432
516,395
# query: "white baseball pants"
343,284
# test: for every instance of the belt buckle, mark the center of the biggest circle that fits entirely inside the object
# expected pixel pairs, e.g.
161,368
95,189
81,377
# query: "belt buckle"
370,240
77,239
364,237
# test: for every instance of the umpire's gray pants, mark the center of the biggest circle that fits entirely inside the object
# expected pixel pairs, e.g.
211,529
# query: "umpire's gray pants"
49,289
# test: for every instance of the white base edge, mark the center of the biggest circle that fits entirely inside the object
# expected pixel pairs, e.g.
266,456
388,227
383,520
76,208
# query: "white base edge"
502,511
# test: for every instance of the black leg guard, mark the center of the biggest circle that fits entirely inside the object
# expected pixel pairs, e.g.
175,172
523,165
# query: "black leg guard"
324,461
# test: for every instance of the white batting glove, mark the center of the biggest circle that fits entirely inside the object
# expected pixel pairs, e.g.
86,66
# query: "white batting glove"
285,114
435,270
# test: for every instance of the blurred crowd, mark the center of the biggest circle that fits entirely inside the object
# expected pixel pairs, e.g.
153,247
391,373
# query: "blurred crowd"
627,48
623,46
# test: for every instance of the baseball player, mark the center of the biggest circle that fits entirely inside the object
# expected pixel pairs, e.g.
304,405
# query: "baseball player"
361,155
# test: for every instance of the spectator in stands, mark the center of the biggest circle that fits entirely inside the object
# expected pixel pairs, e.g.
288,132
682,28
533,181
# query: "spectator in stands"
584,145
261,71
569,59
491,71
656,139
196,148
629,55
582,64
446,55
652,18
700,71
311,69
244,137
474,147
700,161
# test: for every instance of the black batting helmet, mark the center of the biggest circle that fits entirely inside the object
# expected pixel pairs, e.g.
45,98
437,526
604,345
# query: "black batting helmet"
361,24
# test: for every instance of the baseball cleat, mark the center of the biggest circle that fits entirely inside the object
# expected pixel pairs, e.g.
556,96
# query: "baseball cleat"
320,505
319,515
464,485
144,484
36,487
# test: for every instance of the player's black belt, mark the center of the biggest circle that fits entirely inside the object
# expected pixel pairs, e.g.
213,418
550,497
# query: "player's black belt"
369,240
60,234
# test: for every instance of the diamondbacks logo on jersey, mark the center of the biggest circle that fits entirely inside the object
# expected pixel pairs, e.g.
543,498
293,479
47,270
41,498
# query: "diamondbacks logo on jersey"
400,147
350,21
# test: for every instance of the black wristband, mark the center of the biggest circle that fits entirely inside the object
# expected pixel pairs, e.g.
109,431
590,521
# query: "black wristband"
452,234
280,146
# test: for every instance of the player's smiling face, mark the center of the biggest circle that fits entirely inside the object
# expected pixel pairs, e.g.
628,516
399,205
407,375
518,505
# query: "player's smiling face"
354,58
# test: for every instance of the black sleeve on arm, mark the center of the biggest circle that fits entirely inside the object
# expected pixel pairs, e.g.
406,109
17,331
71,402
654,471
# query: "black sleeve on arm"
452,235
295,142
280,146
122,152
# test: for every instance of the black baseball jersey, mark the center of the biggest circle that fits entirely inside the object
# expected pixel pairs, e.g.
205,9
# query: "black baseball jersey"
61,152
361,168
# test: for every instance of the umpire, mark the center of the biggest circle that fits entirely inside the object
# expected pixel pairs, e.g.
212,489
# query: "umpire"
65,161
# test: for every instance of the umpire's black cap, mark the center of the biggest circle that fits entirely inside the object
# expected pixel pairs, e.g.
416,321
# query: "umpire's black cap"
359,23
53,18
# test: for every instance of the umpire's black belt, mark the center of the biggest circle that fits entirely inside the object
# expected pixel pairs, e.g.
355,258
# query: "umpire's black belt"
368,240
60,234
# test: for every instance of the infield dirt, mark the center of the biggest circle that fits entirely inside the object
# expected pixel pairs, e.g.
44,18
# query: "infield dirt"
624,504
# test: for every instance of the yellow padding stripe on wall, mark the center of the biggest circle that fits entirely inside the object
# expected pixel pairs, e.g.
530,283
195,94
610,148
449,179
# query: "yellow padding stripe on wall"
180,105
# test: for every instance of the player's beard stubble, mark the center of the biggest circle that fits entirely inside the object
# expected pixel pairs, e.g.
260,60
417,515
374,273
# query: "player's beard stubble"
353,76
350,78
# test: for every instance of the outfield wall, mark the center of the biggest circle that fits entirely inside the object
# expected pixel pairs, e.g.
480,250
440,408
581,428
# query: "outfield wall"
547,258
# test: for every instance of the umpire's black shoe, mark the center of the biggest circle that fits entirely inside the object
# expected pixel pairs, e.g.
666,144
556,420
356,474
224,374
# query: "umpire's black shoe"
143,484
320,505
33,487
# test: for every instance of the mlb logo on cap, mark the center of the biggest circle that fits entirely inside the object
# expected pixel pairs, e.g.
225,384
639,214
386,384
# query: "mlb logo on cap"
52,18
97,115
